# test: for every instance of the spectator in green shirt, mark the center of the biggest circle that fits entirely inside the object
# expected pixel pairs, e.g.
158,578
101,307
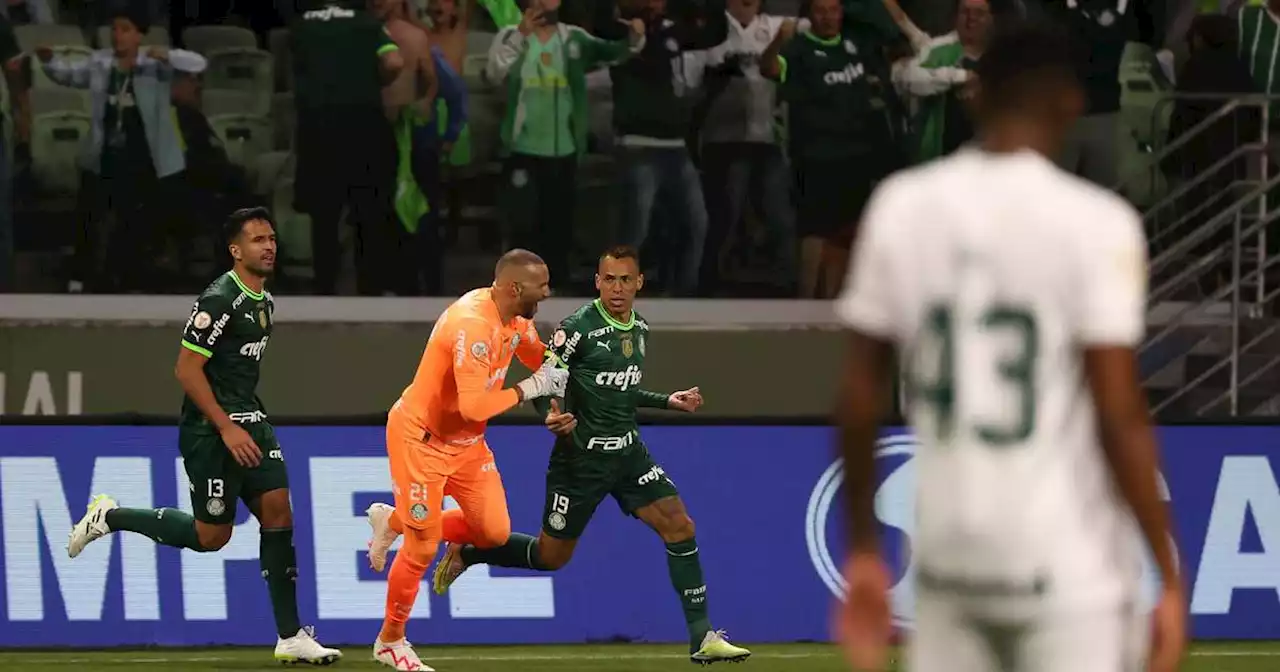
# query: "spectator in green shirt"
543,65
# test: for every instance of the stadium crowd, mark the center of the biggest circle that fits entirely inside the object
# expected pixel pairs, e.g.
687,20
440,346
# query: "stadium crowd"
734,143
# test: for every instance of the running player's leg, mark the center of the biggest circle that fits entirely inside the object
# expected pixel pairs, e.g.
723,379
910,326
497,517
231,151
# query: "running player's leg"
575,486
418,474
266,492
946,640
648,494
215,485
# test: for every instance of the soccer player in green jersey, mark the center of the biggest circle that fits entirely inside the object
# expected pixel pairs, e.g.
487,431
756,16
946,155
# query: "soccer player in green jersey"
228,448
598,452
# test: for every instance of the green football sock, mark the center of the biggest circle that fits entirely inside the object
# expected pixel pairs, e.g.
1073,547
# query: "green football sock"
280,569
686,577
170,527
521,551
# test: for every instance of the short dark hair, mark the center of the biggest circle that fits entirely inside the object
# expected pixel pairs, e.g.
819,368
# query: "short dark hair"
621,252
517,257
1023,59
235,222
138,15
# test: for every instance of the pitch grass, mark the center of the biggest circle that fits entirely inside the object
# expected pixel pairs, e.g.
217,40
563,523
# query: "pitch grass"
1225,657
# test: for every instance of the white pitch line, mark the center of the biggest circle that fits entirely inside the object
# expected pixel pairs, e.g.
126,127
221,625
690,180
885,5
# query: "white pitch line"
428,657
550,657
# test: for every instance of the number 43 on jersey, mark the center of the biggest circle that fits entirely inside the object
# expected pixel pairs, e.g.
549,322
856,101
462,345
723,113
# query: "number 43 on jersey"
931,374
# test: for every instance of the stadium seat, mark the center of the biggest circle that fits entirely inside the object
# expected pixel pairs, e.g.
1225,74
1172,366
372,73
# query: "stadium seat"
157,36
248,70
285,117
267,170
293,229
218,102
56,99
52,35
244,136
207,39
57,139
278,43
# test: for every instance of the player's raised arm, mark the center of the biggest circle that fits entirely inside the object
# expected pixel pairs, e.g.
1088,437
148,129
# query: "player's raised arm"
531,349
1111,318
472,369
559,353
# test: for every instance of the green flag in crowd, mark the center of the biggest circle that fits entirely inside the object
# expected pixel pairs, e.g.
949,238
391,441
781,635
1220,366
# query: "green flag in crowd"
410,203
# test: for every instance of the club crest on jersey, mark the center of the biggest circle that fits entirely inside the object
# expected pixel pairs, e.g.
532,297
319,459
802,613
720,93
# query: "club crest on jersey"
202,320
418,511
626,345
262,317
479,350
850,48
640,338
215,506
515,341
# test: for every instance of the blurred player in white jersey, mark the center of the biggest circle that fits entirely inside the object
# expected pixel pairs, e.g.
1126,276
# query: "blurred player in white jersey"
1013,294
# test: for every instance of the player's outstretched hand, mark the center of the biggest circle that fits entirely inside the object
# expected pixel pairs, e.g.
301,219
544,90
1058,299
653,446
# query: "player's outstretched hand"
548,381
243,449
685,400
1168,630
863,623
560,423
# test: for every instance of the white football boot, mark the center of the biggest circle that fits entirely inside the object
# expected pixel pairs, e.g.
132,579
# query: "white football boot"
303,648
717,649
379,516
399,656
92,526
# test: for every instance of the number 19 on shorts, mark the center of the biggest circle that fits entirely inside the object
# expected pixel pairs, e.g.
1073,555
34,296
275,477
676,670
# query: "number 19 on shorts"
559,503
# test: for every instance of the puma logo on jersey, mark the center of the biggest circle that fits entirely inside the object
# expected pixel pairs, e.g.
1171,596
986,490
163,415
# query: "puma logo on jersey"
605,345
623,380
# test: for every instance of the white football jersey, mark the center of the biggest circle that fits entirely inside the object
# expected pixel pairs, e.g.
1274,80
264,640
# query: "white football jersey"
990,273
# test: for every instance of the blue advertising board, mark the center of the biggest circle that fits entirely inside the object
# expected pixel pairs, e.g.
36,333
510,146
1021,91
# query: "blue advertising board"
766,502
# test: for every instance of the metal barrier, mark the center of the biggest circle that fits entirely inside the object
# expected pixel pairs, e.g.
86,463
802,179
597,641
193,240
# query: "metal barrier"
1218,215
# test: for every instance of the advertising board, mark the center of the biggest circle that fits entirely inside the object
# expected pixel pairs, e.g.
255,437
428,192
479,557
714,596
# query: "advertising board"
766,501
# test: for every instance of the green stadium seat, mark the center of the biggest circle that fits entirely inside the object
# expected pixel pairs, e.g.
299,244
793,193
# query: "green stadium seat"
218,102
57,140
248,70
207,39
243,136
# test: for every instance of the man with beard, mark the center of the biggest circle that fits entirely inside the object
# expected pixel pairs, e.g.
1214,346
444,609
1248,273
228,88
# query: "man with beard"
228,448
435,434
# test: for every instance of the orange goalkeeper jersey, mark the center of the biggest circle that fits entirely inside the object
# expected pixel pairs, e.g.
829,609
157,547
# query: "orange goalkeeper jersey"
458,385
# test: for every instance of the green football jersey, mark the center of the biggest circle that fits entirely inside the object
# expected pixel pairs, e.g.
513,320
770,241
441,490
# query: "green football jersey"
229,324
605,358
